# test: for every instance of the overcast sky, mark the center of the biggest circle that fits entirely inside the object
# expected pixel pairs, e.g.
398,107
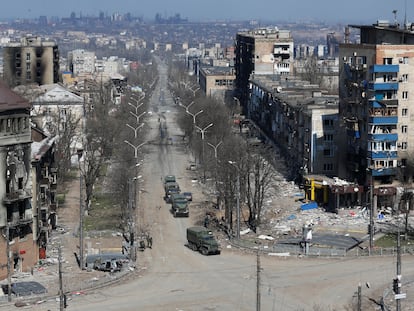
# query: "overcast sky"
366,11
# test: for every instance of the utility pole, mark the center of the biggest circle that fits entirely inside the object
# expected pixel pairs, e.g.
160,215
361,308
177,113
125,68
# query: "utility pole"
237,199
371,216
202,131
258,294
61,295
80,221
238,205
8,264
131,222
398,301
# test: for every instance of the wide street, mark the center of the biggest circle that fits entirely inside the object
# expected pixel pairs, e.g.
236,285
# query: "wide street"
173,277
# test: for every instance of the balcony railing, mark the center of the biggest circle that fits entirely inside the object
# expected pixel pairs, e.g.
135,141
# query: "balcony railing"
385,68
383,86
384,171
383,120
386,154
383,137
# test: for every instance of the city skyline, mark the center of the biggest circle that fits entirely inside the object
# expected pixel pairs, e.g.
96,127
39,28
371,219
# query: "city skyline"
232,10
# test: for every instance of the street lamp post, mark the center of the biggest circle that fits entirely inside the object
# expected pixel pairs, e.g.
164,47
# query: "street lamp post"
135,129
194,115
202,131
137,100
237,199
371,215
372,206
135,147
131,219
215,157
136,107
215,148
187,110
137,116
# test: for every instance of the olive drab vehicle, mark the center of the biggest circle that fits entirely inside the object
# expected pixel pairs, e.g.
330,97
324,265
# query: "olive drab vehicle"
179,205
201,239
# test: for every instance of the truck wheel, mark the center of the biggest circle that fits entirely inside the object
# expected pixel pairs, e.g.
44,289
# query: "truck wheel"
204,251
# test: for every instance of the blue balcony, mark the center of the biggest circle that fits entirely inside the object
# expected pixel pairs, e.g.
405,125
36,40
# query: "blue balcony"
383,86
381,102
385,68
384,171
379,120
383,155
383,137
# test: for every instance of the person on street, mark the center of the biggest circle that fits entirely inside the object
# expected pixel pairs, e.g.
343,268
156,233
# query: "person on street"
149,241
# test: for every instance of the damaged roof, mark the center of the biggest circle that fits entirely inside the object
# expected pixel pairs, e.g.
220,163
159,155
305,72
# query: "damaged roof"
10,100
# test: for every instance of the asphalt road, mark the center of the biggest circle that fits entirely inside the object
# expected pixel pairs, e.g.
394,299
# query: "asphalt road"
172,277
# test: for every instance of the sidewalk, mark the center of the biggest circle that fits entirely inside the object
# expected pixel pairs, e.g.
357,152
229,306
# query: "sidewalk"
74,280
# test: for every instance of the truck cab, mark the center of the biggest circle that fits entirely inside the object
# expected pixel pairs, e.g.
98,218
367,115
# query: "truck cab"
179,205
169,178
170,188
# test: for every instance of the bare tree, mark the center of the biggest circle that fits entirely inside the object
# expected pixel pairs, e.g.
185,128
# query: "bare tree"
68,132
258,177
98,142
311,71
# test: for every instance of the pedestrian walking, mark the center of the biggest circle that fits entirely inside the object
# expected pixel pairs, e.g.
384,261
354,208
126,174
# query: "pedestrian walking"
149,241
206,221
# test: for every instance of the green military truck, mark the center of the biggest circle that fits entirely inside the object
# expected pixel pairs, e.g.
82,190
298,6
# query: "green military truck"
179,205
170,188
201,239
169,178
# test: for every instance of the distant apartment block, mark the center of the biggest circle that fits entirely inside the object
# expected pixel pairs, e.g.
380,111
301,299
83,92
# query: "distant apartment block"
217,82
332,42
300,120
109,66
261,51
376,103
32,60
16,213
81,62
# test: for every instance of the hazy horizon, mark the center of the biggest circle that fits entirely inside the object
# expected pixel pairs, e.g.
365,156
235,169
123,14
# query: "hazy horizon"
367,11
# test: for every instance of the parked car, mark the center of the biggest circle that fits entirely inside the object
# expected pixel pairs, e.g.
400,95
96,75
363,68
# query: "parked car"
188,196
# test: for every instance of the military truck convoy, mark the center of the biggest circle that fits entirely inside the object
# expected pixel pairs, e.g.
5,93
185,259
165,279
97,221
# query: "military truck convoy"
170,186
173,195
201,239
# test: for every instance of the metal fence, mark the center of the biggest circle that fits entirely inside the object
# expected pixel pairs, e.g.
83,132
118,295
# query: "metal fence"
297,250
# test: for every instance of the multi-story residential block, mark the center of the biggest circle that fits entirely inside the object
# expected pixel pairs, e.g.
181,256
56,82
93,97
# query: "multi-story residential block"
55,107
332,42
376,101
81,62
217,82
44,177
31,61
261,51
302,123
16,213
299,119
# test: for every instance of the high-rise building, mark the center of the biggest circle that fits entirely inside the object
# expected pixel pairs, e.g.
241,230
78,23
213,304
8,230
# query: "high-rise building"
81,62
332,42
261,51
32,60
16,213
376,86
